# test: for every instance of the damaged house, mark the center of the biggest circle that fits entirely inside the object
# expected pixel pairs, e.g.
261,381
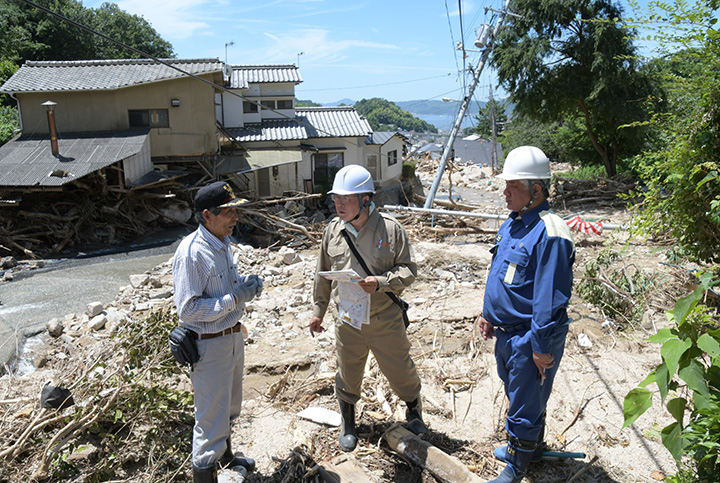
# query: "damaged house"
123,126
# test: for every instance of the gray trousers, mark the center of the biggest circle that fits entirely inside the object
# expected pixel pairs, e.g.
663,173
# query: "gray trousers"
389,344
217,380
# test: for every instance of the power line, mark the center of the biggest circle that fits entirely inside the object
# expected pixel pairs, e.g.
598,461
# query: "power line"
377,85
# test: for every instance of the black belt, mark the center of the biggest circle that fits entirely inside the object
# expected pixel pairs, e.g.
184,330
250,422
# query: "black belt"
231,330
509,329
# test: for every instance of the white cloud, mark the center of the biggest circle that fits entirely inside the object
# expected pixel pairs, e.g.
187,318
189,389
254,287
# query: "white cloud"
318,46
172,19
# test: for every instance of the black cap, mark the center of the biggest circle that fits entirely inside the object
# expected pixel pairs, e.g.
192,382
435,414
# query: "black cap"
216,195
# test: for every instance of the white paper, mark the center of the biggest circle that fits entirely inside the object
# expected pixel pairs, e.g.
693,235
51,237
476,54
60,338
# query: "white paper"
353,304
342,275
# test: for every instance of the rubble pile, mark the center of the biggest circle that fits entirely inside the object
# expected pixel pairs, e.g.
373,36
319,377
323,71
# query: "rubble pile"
574,194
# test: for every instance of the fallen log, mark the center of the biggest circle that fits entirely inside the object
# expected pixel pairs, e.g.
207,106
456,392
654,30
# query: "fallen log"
444,467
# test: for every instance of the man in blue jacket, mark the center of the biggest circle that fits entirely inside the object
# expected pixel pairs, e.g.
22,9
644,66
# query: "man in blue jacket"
525,306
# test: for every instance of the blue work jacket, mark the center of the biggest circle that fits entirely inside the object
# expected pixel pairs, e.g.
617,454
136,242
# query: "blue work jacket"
531,277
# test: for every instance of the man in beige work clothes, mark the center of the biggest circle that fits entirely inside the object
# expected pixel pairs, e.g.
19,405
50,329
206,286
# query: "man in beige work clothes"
384,245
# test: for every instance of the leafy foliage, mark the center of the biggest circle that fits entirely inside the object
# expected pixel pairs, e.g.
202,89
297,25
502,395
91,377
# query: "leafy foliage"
383,115
689,376
574,60
682,196
618,290
484,120
27,32
8,123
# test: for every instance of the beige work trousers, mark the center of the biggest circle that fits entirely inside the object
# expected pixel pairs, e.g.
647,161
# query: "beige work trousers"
389,344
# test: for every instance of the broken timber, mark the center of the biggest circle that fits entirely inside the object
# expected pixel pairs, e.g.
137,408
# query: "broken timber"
444,467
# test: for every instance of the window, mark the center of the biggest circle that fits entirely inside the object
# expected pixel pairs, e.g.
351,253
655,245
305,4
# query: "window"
326,165
392,157
285,104
249,107
268,104
149,118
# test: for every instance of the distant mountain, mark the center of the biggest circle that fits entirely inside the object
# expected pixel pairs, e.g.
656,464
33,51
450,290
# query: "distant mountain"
437,108
347,102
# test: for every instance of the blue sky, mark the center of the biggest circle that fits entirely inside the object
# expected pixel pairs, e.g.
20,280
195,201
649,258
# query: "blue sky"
398,50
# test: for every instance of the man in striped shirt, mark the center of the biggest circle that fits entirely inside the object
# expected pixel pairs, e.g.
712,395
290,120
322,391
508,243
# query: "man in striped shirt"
210,297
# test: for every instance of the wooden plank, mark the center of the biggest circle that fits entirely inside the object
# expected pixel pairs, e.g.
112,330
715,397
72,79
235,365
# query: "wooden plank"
344,469
444,467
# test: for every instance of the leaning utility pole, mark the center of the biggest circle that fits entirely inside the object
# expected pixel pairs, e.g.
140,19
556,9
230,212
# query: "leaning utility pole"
493,130
485,39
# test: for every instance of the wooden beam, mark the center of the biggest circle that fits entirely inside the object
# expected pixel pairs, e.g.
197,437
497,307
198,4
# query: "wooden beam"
444,467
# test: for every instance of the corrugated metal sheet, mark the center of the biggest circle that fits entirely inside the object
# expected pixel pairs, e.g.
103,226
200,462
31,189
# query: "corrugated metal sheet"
310,122
88,75
243,75
342,121
28,161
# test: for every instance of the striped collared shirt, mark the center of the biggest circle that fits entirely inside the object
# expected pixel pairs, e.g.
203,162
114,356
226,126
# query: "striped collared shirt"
204,278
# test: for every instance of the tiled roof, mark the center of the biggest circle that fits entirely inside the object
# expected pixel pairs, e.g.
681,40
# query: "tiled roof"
28,161
309,122
342,121
272,130
381,137
243,75
88,75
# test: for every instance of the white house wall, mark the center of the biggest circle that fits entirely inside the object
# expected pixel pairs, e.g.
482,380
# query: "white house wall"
138,165
389,172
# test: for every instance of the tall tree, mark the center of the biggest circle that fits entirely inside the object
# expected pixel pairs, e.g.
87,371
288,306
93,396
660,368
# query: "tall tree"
129,29
575,58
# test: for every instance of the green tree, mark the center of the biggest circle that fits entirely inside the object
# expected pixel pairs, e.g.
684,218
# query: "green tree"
29,33
384,115
8,123
569,59
682,171
131,30
483,121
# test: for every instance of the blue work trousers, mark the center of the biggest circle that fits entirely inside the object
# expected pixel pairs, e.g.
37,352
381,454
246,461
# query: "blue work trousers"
527,396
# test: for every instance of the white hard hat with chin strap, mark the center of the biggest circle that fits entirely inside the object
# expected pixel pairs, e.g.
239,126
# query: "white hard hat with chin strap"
527,163
353,179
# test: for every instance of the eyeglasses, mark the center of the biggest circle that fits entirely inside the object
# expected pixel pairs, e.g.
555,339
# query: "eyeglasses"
342,198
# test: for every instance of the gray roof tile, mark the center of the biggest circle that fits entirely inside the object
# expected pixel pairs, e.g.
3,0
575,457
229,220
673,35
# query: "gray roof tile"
244,75
88,75
309,122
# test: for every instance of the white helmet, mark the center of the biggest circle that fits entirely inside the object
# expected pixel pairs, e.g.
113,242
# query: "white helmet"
352,180
526,162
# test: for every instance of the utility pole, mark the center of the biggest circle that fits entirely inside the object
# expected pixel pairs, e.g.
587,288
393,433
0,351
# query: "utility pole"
493,130
486,40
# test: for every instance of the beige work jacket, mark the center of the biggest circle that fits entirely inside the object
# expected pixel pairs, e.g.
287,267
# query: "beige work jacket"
385,247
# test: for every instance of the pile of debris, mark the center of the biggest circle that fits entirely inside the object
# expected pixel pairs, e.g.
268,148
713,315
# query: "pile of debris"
576,194
82,215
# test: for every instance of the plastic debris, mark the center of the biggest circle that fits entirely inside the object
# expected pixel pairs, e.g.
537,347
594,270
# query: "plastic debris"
321,415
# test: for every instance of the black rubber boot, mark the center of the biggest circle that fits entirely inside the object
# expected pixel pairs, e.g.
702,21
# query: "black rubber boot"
229,460
519,455
348,436
204,475
413,414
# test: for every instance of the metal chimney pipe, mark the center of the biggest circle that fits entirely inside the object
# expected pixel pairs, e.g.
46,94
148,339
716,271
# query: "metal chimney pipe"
51,126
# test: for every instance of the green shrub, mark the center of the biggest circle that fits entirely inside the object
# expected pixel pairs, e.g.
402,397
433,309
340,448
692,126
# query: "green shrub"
408,170
690,374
